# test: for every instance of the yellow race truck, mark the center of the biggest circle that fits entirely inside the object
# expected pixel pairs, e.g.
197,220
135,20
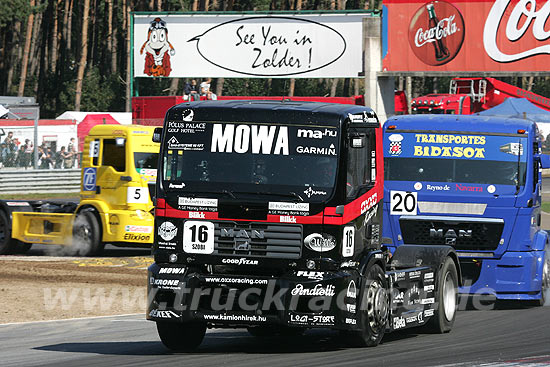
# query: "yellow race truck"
119,169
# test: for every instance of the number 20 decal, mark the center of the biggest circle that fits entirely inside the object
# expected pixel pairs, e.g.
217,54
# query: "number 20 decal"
403,203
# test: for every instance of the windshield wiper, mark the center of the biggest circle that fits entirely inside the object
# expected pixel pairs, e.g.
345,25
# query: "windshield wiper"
229,193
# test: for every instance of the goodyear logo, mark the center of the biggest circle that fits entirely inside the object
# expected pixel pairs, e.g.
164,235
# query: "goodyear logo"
457,146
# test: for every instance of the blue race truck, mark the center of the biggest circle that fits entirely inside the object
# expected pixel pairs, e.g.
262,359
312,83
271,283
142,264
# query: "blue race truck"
473,183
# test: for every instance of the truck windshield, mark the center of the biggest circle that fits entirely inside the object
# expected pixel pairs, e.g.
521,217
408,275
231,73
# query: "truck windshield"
298,161
494,160
146,162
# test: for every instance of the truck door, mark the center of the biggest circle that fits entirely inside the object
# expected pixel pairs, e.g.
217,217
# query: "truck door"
112,174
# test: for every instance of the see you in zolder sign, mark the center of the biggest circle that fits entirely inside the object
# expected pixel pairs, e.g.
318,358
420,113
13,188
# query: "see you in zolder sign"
298,46
467,35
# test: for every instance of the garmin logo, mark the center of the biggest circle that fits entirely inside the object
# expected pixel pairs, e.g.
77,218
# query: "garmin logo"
256,139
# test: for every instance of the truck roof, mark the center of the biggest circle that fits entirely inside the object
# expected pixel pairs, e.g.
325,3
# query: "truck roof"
289,112
461,123
111,130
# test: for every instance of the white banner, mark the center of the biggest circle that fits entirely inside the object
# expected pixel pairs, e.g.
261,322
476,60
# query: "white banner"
299,46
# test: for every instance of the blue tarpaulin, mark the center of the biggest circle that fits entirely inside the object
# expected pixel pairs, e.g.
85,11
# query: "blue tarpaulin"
516,107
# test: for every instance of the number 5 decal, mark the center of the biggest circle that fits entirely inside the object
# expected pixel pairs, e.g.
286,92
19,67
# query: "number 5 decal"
403,203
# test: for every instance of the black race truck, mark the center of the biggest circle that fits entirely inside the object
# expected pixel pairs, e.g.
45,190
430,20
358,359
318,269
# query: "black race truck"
268,217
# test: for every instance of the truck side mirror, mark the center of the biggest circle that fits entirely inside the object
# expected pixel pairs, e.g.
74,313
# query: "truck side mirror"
157,134
544,160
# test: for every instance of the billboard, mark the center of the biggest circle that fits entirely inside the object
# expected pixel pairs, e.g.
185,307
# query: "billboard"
244,45
467,35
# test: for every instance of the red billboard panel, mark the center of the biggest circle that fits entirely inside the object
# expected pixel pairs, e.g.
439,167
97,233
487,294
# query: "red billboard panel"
467,35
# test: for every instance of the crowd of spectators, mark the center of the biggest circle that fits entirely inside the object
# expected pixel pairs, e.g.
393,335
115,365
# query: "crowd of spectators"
196,92
13,154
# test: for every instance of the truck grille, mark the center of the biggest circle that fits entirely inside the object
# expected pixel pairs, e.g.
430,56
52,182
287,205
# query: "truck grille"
461,233
258,240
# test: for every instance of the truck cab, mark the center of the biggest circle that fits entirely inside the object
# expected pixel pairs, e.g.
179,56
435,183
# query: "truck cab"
118,180
473,183
266,207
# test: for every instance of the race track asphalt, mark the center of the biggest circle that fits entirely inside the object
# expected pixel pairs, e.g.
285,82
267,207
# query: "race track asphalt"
513,336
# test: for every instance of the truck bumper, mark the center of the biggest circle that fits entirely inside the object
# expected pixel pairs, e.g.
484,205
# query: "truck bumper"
515,276
297,299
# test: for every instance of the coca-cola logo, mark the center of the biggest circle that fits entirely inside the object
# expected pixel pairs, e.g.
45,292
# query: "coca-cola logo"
436,32
520,17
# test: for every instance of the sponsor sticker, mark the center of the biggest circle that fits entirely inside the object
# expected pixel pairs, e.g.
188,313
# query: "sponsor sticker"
318,290
240,261
317,275
399,323
167,231
89,179
163,314
172,270
197,202
314,320
316,242
17,203
138,229
395,144
352,290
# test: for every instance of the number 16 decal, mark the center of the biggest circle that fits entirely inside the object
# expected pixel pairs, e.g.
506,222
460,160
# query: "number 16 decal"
403,203
198,237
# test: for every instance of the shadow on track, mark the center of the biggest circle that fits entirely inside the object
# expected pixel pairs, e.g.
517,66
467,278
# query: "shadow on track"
313,341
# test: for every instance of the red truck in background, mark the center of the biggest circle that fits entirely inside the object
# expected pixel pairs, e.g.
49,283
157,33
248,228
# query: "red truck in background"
470,95
151,110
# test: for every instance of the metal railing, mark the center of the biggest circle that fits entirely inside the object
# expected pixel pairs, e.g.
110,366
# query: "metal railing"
29,181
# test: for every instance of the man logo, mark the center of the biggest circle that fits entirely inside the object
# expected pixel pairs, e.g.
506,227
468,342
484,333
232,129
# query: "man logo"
89,179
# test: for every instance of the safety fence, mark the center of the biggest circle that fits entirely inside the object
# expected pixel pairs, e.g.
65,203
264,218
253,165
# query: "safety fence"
22,181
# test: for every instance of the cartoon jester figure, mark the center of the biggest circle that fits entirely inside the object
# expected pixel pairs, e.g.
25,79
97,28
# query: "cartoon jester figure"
157,57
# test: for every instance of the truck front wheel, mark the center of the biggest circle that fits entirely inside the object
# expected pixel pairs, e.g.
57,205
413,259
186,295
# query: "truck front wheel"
181,337
373,308
545,279
87,235
447,299
7,244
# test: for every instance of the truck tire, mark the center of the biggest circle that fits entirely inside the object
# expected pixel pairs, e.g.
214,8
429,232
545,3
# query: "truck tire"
373,308
545,288
181,337
7,244
447,299
87,235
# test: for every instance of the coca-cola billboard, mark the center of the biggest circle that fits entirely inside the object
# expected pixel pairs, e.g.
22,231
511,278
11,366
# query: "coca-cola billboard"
467,35
436,32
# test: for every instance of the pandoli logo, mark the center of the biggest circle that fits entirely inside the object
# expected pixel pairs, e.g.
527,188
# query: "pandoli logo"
436,32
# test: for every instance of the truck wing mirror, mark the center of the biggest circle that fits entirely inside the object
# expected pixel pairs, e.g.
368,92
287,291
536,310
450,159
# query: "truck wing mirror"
544,160
157,134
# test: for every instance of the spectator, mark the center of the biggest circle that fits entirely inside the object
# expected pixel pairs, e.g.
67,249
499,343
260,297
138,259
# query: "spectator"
205,89
191,90
46,158
29,149
3,154
67,159
60,157
71,149
20,159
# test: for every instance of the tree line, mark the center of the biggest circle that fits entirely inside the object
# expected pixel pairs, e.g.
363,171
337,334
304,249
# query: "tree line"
75,54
